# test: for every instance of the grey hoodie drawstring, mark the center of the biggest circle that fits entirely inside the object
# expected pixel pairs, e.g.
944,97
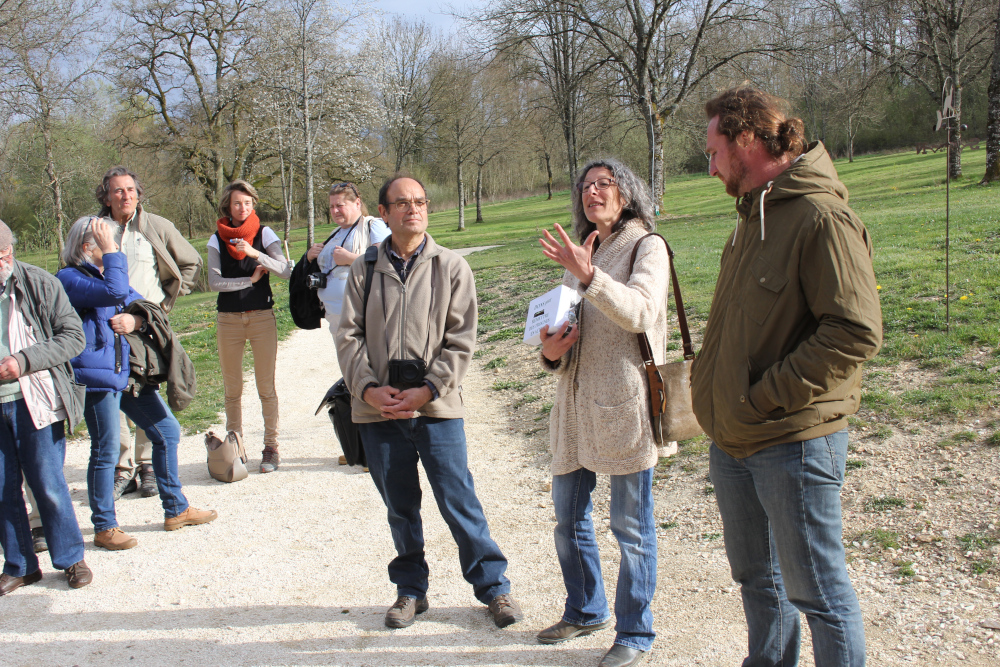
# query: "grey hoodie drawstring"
762,195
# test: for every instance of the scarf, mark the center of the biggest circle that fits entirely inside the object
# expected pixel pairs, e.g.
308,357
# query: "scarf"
247,231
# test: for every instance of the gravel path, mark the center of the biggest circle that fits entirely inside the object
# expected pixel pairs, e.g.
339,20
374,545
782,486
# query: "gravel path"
293,571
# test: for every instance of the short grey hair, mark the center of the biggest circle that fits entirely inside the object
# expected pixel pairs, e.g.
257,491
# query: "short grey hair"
632,189
80,233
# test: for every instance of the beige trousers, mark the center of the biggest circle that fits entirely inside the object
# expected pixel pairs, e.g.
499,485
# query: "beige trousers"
143,447
34,518
232,331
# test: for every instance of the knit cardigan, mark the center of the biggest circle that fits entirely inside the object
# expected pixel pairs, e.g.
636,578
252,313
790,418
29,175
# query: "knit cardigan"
600,420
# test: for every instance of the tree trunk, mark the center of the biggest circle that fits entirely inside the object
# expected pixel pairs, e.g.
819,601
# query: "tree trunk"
479,194
54,185
993,114
548,171
851,131
306,132
658,174
461,198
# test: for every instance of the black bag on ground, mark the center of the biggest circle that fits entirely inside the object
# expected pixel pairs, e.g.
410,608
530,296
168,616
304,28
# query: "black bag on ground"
338,398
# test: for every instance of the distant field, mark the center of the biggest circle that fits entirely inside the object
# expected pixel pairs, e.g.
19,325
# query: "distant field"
899,196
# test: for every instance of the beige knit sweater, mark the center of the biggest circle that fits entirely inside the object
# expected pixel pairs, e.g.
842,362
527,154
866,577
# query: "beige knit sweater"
600,419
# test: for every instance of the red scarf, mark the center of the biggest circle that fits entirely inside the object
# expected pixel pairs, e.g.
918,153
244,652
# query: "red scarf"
247,231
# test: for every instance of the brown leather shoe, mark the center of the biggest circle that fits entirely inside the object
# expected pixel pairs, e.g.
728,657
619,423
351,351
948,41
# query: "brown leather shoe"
563,631
342,460
9,584
505,610
79,575
190,517
114,539
401,613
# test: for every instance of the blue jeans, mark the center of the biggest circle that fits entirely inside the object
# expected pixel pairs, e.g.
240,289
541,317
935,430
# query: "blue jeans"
580,560
149,413
38,454
393,449
782,523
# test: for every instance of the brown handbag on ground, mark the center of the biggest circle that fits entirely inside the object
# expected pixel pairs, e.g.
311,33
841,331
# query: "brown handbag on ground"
669,384
227,459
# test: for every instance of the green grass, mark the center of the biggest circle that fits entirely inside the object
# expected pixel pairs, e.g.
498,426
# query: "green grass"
904,568
885,539
973,541
883,503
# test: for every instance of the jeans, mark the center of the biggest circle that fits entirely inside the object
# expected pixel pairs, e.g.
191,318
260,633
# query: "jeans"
150,414
782,524
393,448
38,454
580,560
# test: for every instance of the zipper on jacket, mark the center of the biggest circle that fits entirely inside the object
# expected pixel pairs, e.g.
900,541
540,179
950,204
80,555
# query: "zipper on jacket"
402,322
118,353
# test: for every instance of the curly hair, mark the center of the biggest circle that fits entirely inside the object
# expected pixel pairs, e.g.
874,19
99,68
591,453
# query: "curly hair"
633,192
101,192
746,109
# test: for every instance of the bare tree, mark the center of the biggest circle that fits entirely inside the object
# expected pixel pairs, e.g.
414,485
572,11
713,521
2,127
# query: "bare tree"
44,69
184,61
403,84
939,43
993,127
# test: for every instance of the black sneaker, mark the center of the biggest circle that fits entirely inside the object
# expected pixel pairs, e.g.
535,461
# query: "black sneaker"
147,484
125,482
38,540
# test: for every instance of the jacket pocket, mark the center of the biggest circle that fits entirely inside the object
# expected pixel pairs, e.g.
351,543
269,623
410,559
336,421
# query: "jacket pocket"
617,429
760,295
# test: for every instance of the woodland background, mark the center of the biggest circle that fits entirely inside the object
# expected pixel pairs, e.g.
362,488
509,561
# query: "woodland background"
293,95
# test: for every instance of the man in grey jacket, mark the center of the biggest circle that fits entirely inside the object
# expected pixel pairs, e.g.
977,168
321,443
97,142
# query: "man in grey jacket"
162,265
39,333
404,360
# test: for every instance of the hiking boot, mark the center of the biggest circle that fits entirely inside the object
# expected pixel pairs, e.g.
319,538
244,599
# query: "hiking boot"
147,486
342,460
38,542
270,459
190,517
79,575
563,631
401,613
505,610
9,584
114,539
125,482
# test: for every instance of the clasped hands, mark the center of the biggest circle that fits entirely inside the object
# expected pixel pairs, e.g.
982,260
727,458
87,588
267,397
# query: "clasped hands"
395,403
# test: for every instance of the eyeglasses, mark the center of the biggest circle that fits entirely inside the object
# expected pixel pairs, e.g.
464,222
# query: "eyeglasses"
600,184
8,258
404,205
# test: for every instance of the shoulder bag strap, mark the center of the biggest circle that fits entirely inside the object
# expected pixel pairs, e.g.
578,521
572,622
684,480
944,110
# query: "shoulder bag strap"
657,393
371,256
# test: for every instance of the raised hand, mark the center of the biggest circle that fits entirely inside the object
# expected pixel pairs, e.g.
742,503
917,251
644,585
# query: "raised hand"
574,258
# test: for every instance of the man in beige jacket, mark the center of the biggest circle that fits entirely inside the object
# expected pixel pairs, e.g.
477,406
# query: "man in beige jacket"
162,265
403,360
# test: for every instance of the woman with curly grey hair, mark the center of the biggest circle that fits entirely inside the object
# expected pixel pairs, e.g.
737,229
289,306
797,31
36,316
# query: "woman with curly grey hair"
600,421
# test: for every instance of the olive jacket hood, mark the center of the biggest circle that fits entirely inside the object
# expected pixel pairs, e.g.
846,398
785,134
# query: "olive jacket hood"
794,316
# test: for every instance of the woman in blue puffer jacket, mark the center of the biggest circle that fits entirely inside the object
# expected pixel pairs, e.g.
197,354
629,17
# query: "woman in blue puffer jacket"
96,280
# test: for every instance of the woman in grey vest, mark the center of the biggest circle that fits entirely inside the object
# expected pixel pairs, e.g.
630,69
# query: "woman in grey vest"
242,254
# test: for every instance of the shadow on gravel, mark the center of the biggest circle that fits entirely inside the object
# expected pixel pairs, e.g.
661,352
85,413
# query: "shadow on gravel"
442,636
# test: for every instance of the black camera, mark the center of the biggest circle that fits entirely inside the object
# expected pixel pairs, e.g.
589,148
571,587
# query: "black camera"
316,281
407,373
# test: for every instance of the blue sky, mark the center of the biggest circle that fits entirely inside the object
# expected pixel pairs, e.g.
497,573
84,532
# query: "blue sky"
433,11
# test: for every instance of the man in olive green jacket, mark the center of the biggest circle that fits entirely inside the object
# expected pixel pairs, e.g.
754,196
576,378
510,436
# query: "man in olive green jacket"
794,316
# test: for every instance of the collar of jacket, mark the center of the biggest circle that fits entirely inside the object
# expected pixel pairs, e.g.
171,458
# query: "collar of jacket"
384,264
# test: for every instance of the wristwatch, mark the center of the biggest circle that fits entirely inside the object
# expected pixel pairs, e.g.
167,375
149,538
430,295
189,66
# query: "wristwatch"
144,327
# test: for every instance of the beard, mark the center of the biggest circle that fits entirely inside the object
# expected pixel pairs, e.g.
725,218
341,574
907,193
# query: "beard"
5,273
737,175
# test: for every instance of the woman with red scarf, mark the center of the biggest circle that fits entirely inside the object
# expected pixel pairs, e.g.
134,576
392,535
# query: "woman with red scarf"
241,256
